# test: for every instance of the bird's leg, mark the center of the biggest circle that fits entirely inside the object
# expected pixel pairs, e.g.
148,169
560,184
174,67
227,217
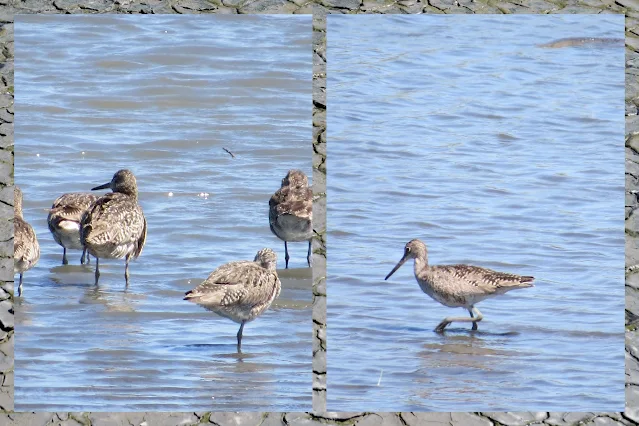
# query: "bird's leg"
64,256
442,325
308,256
478,316
97,270
239,337
20,286
126,271
286,254
474,319
85,257
470,311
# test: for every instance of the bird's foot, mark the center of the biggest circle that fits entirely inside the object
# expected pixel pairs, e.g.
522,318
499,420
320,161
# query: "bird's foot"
442,325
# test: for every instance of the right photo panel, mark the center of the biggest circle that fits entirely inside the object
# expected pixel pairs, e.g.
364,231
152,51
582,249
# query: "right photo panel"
475,213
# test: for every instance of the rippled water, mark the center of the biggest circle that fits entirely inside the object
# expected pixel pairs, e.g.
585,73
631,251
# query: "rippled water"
162,95
459,131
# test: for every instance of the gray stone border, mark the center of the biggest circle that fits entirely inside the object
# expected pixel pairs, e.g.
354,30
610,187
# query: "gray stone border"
319,9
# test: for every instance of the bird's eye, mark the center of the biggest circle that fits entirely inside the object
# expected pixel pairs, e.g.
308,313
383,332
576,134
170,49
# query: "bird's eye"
407,249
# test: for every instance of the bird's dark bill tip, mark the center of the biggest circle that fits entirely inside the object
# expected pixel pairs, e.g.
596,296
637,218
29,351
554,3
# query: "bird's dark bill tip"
106,185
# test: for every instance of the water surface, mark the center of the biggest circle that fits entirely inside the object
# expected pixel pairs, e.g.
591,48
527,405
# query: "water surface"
162,96
459,131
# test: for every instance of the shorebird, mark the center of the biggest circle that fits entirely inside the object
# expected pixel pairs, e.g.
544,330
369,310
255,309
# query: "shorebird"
64,222
240,291
458,285
114,226
26,250
291,211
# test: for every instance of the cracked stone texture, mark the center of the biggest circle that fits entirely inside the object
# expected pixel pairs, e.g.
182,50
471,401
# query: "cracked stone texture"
319,9
631,414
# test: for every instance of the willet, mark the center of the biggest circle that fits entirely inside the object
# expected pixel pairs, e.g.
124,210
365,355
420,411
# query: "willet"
26,250
114,226
64,222
458,285
240,291
291,211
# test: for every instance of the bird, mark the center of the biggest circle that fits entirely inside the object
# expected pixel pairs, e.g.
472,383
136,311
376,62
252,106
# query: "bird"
291,211
114,226
240,291
26,250
458,285
64,222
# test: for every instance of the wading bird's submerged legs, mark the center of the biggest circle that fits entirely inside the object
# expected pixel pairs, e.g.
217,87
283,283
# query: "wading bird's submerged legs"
286,254
308,255
64,256
126,271
97,270
239,337
20,285
470,311
474,319
85,257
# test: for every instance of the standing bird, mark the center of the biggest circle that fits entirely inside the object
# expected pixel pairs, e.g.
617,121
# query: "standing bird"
114,226
26,250
458,285
64,222
240,291
291,211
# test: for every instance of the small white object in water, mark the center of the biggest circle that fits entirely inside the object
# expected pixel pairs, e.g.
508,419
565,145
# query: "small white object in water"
37,155
170,194
82,152
380,377
204,195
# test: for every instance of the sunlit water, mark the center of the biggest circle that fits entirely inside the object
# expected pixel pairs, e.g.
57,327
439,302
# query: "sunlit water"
459,131
162,96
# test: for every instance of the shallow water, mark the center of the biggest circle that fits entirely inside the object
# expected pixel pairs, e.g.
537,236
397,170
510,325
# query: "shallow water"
459,131
162,96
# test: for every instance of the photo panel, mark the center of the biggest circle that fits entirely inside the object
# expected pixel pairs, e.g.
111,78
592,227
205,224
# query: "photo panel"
485,154
211,116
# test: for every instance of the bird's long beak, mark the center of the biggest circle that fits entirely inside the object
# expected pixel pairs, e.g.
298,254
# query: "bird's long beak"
106,185
399,264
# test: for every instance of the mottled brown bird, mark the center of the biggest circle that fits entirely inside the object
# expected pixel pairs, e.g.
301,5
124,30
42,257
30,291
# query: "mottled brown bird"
240,291
458,285
291,212
26,250
114,226
64,222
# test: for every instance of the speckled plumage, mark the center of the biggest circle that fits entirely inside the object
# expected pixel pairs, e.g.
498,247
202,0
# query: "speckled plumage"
26,250
458,285
64,221
291,211
240,291
114,226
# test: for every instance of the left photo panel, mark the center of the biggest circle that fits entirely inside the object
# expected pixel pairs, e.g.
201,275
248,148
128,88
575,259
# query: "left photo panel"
163,213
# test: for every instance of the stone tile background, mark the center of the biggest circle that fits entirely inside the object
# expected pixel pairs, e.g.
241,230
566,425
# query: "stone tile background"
319,9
